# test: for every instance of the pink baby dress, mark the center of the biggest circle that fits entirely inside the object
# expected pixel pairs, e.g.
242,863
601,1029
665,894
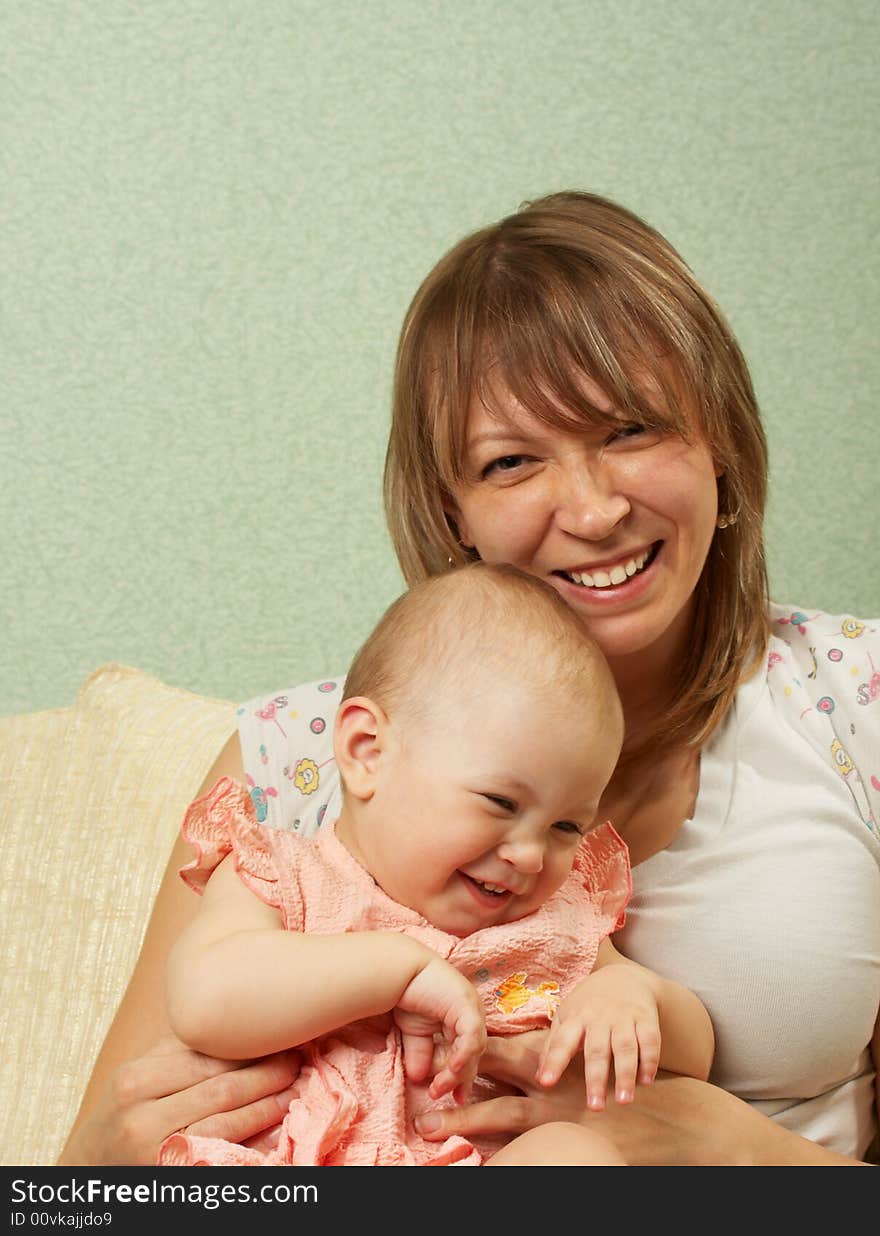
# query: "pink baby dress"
353,1105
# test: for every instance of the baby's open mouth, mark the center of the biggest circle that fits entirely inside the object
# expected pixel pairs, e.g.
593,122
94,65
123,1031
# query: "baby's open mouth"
492,890
615,573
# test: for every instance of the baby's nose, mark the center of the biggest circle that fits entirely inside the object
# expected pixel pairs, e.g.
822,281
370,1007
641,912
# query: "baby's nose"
526,854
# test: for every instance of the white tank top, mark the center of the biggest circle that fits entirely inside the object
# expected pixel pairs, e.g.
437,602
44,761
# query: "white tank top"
767,905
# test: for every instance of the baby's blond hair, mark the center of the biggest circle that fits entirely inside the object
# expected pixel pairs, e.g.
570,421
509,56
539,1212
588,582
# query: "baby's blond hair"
478,615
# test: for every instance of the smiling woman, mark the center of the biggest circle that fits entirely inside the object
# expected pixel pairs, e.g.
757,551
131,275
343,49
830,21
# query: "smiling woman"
568,399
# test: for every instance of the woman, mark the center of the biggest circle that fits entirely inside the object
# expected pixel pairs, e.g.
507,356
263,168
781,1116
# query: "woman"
569,399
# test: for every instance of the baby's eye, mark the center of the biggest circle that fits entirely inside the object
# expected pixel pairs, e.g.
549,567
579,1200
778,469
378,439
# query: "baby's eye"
569,826
506,804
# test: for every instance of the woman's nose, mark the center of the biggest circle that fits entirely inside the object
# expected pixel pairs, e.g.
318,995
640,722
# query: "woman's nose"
591,501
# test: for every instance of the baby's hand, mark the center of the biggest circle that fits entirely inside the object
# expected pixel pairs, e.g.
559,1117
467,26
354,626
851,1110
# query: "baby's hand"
441,1000
613,1014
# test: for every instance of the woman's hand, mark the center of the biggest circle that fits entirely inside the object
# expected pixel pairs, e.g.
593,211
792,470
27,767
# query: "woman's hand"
678,1121
172,1088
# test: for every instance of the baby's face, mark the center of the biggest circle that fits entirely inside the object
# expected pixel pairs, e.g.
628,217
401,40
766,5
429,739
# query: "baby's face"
478,815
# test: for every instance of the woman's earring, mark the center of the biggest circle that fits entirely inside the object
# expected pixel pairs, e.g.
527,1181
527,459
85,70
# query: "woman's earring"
725,521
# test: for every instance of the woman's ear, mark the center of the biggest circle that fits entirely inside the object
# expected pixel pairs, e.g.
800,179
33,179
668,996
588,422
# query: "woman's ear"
456,521
358,740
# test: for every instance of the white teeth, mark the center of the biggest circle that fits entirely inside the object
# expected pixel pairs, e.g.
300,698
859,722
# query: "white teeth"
491,888
616,574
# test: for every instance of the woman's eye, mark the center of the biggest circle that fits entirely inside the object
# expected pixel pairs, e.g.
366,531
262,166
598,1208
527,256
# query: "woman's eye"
629,430
569,826
505,463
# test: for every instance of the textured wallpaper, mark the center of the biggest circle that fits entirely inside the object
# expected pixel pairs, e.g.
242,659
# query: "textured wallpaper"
214,214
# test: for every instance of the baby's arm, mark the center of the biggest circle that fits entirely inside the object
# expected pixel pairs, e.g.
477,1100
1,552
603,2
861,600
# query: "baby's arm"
239,985
627,1013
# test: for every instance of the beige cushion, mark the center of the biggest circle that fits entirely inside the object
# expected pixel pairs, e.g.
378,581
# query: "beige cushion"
90,800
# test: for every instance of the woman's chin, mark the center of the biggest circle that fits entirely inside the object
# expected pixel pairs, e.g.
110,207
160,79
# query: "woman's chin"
652,635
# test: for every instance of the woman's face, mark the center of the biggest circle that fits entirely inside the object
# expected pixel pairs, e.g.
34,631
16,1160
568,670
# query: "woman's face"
617,518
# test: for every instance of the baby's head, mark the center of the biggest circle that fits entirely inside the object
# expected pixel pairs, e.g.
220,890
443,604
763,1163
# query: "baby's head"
479,728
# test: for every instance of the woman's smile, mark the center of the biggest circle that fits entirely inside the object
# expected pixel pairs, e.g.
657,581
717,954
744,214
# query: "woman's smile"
610,582
605,574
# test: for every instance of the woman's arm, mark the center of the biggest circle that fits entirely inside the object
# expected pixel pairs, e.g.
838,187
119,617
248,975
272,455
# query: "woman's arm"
687,1040
145,1084
875,1052
678,1121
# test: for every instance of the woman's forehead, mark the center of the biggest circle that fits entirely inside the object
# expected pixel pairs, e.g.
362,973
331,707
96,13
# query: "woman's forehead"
499,398
498,405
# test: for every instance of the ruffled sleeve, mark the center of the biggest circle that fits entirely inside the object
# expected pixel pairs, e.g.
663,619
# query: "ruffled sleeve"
224,821
602,862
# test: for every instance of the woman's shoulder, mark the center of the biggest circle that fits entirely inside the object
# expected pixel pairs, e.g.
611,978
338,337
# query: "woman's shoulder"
823,674
800,626
825,651
286,740
317,692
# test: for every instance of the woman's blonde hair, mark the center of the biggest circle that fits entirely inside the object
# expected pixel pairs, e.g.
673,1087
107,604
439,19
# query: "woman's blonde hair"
572,285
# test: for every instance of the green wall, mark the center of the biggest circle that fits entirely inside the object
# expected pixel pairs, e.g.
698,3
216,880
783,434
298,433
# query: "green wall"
213,216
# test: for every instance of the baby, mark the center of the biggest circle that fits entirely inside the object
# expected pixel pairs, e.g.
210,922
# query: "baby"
465,887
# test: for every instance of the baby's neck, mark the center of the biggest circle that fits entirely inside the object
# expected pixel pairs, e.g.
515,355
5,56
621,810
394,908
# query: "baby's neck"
346,832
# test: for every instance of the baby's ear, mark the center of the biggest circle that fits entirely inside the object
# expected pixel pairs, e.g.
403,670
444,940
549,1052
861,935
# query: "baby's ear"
357,742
